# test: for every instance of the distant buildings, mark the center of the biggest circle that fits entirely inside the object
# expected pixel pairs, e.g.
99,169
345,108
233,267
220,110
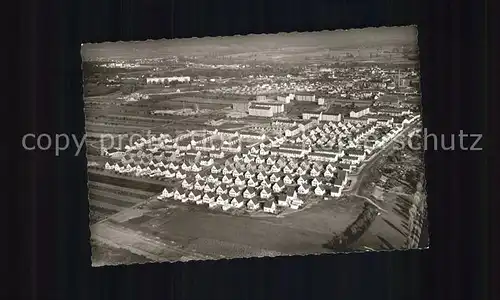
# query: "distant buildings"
163,80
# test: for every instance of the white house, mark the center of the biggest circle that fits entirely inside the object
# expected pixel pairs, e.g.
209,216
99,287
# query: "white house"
302,180
316,182
289,179
335,191
179,194
238,202
283,201
319,190
187,184
291,194
252,182
303,189
180,175
223,199
215,169
266,193
278,186
208,197
253,204
194,196
249,193
265,183
167,193
209,187
240,181
234,192
275,177
199,185
270,207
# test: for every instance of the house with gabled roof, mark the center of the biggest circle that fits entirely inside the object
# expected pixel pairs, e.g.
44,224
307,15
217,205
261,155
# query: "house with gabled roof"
199,177
211,178
283,201
215,169
253,204
281,162
315,171
264,151
270,160
234,192
252,182
249,174
238,202
288,169
291,194
223,199
302,180
278,186
185,166
208,197
316,181
301,171
194,195
328,173
179,193
195,168
221,189
209,188
206,162
227,179
335,191
166,193
261,175
270,207
289,179
275,177
265,183
187,184
266,193
199,185
228,169
338,183
303,189
169,174
249,193
275,168
320,190
259,160
240,180
237,173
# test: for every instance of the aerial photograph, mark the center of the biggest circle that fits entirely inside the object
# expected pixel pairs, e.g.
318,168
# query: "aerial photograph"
254,145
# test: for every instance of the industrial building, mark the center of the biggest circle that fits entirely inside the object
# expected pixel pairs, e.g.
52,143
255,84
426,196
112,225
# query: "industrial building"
276,106
305,97
260,110
163,80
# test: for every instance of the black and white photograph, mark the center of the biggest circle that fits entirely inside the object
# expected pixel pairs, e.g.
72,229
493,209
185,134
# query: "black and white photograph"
260,145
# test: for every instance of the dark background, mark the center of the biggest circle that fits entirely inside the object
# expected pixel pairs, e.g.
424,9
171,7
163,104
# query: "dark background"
50,258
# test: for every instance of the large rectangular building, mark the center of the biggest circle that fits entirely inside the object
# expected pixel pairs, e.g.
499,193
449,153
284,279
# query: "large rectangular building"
276,106
260,110
305,97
